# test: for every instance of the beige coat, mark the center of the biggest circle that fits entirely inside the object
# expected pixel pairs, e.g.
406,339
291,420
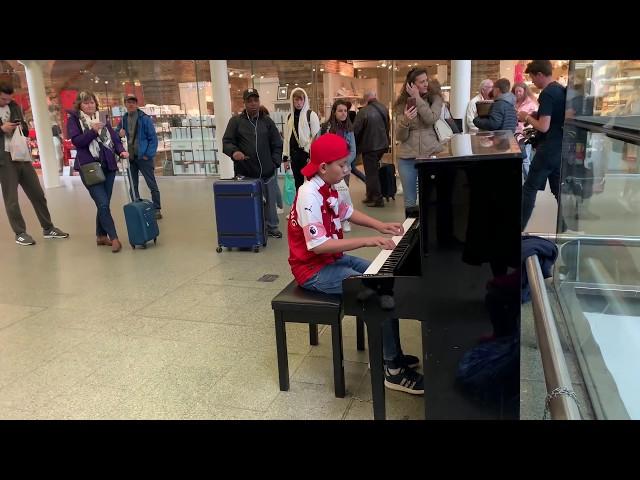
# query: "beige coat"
417,137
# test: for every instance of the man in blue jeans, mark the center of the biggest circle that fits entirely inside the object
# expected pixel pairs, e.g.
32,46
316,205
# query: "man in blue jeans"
142,144
316,247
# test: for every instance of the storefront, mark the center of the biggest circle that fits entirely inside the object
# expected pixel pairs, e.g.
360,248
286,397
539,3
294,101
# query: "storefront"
178,94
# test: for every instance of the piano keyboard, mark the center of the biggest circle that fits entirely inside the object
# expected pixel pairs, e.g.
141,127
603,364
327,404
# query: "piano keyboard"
385,255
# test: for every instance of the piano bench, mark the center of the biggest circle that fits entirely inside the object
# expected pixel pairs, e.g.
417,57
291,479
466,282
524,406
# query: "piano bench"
297,305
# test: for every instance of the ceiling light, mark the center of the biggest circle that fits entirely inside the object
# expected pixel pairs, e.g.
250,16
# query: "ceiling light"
253,76
231,74
322,69
241,75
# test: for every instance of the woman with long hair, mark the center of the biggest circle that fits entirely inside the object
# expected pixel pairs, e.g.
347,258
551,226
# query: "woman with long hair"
340,124
417,109
96,142
525,102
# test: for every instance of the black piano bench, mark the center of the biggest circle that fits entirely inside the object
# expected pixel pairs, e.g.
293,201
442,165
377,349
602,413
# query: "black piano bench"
297,305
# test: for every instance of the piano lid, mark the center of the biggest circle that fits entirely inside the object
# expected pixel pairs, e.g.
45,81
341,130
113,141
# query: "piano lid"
500,144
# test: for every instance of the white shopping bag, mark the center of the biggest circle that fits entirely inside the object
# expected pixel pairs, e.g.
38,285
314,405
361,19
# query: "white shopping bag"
19,148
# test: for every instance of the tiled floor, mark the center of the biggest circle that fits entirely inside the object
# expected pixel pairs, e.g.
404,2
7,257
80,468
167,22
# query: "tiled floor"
173,331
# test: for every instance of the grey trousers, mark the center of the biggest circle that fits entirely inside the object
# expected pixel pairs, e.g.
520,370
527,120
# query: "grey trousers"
13,174
270,192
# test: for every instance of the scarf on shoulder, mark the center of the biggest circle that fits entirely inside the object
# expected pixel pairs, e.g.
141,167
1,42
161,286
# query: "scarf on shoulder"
103,137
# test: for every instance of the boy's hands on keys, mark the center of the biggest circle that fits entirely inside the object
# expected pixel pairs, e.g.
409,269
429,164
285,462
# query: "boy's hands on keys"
391,228
383,242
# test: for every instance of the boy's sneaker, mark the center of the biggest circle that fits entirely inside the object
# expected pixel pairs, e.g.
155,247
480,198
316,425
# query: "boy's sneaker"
406,380
54,233
274,233
24,239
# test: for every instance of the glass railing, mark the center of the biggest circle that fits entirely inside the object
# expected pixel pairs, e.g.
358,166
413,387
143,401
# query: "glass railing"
598,270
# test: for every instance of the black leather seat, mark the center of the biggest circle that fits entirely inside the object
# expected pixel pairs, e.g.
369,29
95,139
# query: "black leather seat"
297,305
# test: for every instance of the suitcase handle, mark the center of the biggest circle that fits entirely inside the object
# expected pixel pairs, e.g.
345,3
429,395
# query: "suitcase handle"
128,180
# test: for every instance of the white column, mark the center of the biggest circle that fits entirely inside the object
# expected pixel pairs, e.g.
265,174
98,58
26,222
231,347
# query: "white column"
460,89
222,108
38,99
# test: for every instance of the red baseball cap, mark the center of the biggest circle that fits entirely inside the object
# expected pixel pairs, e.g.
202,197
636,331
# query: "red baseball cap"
326,149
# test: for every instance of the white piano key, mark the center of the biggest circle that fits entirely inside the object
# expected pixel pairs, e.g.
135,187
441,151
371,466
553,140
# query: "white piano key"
385,254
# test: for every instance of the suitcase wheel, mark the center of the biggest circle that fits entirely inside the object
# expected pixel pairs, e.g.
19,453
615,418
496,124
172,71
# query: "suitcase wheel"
264,244
256,249
155,240
219,249
132,246
144,246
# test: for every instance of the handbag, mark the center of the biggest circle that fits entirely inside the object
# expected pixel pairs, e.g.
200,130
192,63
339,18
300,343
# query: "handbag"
92,173
19,148
443,130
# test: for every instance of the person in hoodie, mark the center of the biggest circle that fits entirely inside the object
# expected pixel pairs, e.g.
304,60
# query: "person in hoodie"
300,130
96,142
502,115
254,144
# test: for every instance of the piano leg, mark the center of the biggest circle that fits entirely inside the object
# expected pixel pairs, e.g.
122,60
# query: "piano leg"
374,335
360,333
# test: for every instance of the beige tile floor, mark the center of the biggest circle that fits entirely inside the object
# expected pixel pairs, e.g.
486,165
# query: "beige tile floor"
175,331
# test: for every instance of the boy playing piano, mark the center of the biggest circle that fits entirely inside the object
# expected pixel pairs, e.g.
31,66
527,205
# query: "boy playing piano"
316,247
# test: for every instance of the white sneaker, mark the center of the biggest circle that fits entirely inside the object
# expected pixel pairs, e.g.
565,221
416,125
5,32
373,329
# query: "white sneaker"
279,211
346,226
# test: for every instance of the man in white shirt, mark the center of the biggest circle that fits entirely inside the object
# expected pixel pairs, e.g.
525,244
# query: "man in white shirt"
472,110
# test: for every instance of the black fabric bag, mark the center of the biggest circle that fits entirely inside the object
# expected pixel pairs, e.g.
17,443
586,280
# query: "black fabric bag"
92,173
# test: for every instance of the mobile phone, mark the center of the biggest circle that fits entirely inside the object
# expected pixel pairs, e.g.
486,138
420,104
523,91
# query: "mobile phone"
104,118
411,102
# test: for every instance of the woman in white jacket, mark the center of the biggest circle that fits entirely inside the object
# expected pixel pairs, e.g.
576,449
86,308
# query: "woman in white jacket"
300,130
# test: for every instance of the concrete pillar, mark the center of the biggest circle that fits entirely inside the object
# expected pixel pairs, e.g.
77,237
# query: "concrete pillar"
460,89
222,108
38,99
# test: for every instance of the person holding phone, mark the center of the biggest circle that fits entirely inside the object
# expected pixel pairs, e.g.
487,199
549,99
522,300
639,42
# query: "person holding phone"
96,141
416,113
14,173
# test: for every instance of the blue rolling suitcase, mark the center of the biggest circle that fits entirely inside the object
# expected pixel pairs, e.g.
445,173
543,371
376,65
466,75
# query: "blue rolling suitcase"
140,216
239,211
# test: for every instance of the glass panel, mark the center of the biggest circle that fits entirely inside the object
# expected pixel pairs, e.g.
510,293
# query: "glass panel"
598,276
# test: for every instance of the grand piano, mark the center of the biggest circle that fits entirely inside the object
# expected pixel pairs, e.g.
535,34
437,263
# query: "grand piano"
444,286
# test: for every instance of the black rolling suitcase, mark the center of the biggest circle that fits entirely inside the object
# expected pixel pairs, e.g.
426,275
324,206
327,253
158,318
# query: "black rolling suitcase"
387,173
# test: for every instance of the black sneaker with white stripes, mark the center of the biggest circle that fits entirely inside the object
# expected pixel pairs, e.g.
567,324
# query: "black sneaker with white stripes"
55,232
24,239
406,380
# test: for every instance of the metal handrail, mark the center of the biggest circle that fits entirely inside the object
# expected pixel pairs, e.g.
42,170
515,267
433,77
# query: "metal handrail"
589,239
556,374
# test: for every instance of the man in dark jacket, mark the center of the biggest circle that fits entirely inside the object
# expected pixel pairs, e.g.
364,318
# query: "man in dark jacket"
502,115
371,129
142,144
254,144
14,173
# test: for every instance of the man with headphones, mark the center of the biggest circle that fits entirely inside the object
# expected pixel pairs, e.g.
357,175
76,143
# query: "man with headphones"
254,144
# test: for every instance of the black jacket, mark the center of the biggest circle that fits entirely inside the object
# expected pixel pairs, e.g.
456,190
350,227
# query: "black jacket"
371,128
16,112
502,115
240,135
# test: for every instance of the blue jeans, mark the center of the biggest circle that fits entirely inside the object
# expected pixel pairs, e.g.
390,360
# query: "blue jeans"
147,168
329,280
101,194
409,180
